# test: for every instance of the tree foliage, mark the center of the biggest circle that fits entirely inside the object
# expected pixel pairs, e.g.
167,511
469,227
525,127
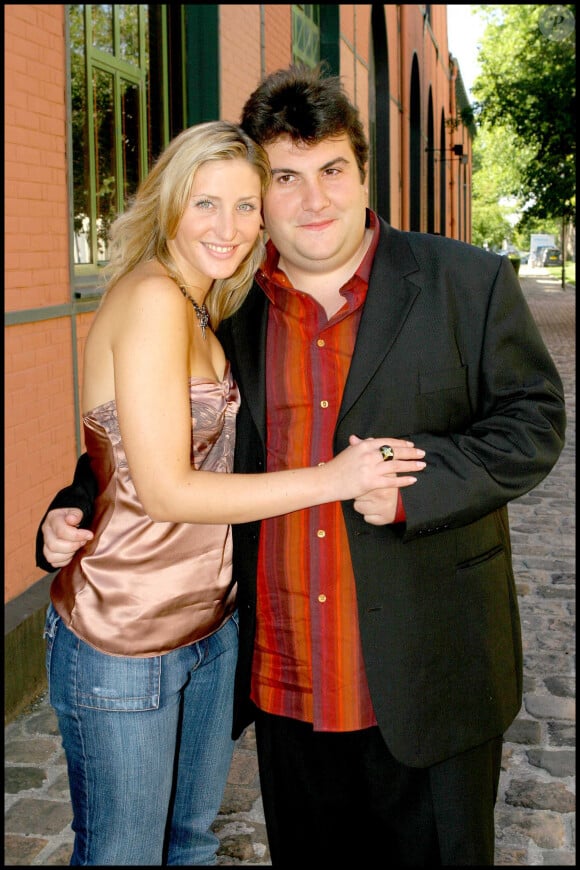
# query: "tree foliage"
493,175
526,94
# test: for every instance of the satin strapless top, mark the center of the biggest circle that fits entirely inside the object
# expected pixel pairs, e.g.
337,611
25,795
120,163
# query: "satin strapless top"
142,588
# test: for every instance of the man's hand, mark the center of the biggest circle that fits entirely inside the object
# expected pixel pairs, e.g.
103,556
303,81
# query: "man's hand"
62,538
378,506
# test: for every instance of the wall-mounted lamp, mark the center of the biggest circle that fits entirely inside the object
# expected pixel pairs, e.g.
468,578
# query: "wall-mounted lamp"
457,151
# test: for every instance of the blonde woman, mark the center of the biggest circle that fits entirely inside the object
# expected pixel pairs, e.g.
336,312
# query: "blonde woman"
142,627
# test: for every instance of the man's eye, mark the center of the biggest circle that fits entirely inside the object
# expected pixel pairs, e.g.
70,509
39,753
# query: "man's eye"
285,179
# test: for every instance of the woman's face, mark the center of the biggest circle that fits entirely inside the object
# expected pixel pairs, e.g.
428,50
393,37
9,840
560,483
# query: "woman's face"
221,221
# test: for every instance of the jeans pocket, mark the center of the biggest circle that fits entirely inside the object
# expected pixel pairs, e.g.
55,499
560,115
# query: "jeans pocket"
117,683
50,623
49,634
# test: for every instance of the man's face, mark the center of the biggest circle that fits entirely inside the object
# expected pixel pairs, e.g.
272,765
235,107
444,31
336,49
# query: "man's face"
314,211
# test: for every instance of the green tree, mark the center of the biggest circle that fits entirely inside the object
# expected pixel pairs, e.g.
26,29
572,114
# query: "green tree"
494,180
526,94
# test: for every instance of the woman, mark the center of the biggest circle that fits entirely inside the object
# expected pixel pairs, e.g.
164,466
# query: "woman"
141,630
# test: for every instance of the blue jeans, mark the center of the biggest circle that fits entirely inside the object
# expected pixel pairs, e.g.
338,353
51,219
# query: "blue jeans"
148,746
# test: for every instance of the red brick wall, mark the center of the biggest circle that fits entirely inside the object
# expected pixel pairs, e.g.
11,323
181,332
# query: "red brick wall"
39,411
36,233
278,29
239,26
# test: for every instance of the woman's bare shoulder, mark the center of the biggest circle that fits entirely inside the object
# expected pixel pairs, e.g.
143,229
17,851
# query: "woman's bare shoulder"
147,278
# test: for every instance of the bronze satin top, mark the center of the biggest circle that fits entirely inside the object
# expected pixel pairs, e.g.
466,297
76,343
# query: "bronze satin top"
142,588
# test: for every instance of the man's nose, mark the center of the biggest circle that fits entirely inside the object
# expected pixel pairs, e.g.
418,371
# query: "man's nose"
315,197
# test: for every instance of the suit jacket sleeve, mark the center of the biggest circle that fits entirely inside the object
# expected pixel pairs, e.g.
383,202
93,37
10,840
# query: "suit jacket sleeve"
516,428
81,493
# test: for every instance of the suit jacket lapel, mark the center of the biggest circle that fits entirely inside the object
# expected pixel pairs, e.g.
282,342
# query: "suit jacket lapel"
249,326
390,297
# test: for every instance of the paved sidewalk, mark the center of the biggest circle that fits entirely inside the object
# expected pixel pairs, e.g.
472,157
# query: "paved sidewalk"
535,815
536,803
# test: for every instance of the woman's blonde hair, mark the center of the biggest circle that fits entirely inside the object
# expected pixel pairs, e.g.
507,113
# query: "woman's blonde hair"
141,233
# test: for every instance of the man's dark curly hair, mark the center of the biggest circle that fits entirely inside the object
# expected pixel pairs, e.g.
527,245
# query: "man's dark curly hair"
307,106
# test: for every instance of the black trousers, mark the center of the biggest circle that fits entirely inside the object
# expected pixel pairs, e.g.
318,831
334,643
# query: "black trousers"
343,797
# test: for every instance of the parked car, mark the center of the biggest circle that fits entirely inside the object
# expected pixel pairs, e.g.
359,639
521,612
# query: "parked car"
551,257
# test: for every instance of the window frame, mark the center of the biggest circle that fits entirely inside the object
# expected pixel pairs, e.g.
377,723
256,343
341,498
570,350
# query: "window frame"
152,114
306,20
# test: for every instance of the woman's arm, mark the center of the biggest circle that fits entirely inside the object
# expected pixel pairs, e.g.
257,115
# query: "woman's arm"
151,352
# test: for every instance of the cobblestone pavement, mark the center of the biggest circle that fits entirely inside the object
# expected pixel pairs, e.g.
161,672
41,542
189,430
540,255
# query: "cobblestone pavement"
536,802
535,815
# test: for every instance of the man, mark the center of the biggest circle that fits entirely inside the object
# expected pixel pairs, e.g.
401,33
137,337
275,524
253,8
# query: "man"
380,646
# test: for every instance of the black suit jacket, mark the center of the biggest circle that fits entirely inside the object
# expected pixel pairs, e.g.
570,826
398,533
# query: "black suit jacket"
447,354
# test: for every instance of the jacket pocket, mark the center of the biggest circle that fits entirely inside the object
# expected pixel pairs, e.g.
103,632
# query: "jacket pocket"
481,558
444,400
443,379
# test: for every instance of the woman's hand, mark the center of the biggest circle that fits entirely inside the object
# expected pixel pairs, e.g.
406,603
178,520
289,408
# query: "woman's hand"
361,468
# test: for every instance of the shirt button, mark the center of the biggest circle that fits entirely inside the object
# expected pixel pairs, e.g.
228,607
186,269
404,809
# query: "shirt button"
320,342
324,404
321,533
322,598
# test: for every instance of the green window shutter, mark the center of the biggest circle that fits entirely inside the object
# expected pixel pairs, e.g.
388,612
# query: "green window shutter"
329,37
202,63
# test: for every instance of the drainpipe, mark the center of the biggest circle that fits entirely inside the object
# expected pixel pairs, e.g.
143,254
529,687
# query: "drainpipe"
452,105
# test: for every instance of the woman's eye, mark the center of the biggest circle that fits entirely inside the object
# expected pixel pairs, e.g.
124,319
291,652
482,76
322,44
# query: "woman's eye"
247,206
204,203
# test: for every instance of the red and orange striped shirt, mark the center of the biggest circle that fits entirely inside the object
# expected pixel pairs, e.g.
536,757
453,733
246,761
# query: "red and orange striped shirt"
308,661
